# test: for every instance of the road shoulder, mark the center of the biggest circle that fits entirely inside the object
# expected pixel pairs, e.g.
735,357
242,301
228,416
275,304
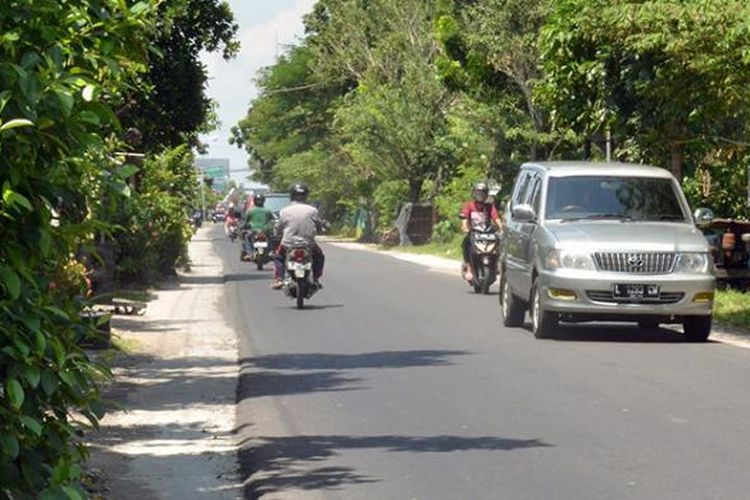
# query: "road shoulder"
173,435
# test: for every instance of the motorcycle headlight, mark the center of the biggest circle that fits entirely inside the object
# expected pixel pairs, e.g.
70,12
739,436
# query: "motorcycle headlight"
696,263
568,259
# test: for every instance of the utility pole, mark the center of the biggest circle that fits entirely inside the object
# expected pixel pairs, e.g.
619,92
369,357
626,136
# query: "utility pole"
609,145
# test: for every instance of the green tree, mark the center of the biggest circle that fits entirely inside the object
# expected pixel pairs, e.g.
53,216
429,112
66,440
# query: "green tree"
169,106
671,78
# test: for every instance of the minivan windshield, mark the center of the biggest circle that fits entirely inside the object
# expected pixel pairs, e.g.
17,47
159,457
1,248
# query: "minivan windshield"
612,197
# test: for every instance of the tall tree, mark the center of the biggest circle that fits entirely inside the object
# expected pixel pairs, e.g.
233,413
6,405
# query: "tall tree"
670,77
170,106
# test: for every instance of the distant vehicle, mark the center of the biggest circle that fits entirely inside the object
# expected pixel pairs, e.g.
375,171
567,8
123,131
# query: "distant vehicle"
257,248
276,201
603,242
220,213
730,247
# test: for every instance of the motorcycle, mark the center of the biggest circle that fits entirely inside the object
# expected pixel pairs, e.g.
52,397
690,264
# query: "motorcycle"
232,232
196,219
299,283
485,249
256,248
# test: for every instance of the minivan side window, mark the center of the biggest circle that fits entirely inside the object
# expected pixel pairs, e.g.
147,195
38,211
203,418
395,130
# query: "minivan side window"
521,186
534,198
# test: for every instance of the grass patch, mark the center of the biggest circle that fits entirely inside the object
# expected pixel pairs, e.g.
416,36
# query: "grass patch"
125,345
732,308
448,250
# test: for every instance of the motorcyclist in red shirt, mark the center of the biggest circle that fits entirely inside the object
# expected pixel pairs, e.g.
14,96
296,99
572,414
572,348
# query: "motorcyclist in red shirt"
476,212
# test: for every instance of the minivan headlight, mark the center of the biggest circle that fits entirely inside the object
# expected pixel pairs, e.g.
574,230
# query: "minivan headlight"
567,259
693,263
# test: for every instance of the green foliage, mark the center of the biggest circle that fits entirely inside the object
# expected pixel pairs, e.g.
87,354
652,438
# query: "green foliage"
62,64
154,218
456,193
669,77
721,185
388,198
389,93
169,105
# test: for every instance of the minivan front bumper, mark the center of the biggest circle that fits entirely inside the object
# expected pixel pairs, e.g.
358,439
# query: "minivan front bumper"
593,294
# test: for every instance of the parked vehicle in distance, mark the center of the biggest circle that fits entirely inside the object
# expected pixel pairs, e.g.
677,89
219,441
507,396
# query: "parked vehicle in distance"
276,201
603,242
729,240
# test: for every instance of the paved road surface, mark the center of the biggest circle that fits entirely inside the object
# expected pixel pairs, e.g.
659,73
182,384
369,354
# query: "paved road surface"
398,383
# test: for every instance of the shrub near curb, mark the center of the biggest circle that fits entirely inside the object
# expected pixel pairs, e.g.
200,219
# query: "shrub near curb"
62,64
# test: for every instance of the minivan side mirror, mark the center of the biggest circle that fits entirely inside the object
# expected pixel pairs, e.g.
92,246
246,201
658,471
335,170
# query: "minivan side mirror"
523,213
703,216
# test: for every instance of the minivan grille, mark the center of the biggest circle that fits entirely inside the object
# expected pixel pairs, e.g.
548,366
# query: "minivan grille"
635,262
608,296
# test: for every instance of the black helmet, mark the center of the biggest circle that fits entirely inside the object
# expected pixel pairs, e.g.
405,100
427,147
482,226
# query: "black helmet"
299,192
481,191
259,200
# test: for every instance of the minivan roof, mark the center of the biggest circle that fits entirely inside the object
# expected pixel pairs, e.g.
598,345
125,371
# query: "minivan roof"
570,168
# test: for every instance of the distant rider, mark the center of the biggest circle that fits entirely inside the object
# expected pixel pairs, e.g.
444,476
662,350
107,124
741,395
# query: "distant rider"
231,220
298,222
257,219
476,212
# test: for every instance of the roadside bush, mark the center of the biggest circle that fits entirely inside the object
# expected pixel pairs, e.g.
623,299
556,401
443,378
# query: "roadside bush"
388,198
62,65
155,232
720,184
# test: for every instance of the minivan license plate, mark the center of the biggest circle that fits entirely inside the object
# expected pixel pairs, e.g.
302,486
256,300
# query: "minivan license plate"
633,291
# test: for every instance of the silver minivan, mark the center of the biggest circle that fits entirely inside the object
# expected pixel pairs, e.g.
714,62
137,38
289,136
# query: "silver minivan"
603,242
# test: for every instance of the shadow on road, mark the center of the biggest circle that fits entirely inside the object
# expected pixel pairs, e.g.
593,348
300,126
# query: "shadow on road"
381,359
603,332
256,276
259,384
280,463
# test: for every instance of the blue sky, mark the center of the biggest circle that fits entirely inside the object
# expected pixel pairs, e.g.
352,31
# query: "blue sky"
265,27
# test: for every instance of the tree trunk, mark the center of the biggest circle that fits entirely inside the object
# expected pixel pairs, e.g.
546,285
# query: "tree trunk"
415,190
675,150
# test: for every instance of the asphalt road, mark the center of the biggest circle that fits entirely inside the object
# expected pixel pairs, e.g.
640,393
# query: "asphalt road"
398,383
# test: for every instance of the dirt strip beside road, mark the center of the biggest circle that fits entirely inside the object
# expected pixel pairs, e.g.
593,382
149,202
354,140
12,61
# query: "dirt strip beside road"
173,437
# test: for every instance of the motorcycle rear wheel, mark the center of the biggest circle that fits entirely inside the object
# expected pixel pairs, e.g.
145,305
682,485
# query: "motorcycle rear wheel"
301,291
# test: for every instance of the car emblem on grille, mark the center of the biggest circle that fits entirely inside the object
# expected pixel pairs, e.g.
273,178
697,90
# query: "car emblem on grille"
635,262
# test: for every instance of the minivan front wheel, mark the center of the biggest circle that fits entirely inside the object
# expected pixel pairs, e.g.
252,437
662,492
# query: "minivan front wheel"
697,328
511,308
543,323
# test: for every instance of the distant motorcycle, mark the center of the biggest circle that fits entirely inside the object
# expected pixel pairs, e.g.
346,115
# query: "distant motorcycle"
196,219
485,249
299,284
256,248
232,232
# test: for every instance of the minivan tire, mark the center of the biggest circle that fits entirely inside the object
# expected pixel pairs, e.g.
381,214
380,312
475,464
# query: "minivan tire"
511,308
543,323
697,328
